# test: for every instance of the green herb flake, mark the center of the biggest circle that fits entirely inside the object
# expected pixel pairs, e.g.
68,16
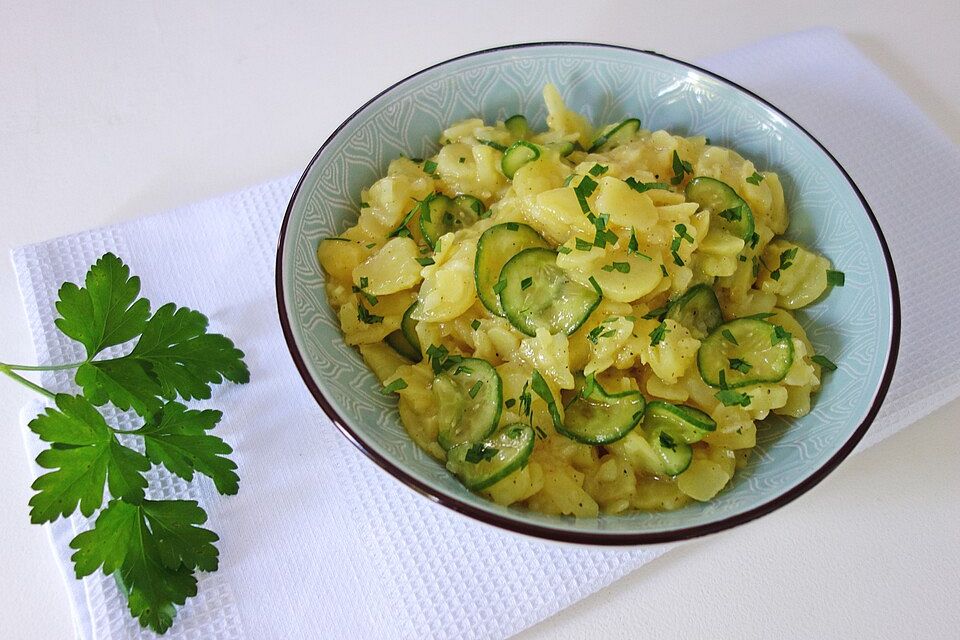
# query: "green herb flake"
755,179
663,270
338,239
732,398
589,386
740,365
658,334
667,441
754,239
364,205
598,170
583,245
475,389
621,267
364,316
509,403
681,230
371,245
475,325
655,314
677,260
680,168
462,160
480,452
780,335
835,278
513,226
640,187
824,362
729,337
394,386
426,262
732,214
564,250
526,283
430,167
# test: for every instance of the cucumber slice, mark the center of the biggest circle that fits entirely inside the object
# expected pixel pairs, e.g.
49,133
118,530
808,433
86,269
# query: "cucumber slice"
538,294
466,206
698,310
482,464
616,135
469,400
408,326
674,454
498,244
518,154
517,126
439,215
744,352
726,208
601,417
683,423
399,343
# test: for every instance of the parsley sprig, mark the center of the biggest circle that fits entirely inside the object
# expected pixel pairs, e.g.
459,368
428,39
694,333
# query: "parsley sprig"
154,548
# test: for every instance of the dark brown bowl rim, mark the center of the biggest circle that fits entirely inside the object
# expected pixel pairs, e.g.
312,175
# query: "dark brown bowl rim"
597,537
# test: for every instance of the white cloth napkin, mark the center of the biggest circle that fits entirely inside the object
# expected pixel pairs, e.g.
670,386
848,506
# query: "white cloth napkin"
320,542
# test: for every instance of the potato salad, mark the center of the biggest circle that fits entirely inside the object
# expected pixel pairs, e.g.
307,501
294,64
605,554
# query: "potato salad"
580,320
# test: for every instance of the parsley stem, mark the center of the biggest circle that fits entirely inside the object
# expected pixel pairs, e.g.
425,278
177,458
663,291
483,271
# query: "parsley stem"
5,369
42,367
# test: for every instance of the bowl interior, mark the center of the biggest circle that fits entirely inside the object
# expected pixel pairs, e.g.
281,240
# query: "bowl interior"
854,326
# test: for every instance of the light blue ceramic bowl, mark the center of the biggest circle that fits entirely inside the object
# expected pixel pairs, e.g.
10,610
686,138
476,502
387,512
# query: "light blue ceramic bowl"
857,326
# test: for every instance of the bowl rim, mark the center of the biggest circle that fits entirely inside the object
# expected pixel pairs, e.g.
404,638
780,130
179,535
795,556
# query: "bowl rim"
605,538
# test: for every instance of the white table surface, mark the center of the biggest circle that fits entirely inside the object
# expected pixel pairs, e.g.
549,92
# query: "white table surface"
111,111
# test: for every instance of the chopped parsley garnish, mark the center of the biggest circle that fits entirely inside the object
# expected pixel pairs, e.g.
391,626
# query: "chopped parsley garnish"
430,167
681,230
759,316
742,258
732,214
495,145
633,246
754,239
658,334
786,261
364,205
677,260
371,245
401,229
680,168
526,283
364,316
728,336
756,178
596,285
540,387
622,267
475,389
564,250
656,313
513,226
479,452
589,385
462,160
510,402
598,332
598,170
394,386
732,398
667,442
426,262
640,187
663,270
756,267
364,281
824,362
779,335
603,235
499,286
526,400
835,278
441,360
740,365
584,190
583,245
475,325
